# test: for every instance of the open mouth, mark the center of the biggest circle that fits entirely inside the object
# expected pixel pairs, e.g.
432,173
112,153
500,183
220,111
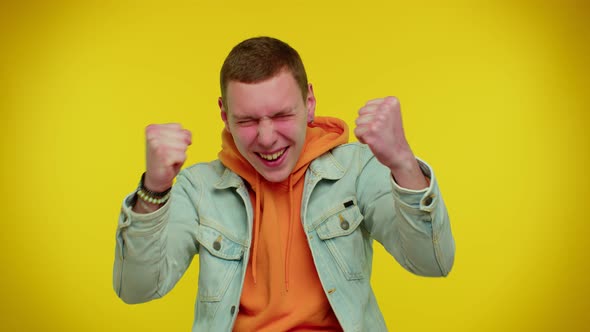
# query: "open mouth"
272,156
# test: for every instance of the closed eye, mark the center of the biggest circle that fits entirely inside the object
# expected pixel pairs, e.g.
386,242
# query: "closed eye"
283,116
246,122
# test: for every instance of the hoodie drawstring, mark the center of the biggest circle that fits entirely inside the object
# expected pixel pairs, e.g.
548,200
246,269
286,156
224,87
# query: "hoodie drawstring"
290,233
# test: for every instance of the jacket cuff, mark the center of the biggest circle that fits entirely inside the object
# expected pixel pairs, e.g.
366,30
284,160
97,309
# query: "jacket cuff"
141,222
423,199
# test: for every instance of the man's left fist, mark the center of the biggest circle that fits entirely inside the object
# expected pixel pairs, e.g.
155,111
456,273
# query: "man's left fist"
379,125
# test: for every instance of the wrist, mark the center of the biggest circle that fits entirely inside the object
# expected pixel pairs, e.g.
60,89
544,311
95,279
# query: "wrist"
407,174
148,195
403,160
148,183
142,206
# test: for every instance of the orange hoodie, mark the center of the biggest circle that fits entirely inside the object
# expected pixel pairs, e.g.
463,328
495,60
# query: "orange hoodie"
282,290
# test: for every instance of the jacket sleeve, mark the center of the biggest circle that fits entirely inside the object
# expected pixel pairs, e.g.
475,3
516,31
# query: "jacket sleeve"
412,225
154,250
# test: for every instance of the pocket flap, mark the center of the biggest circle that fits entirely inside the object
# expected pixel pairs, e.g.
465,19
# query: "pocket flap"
219,244
341,223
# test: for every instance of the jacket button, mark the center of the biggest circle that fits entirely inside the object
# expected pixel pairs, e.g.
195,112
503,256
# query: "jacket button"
428,200
344,225
216,245
233,309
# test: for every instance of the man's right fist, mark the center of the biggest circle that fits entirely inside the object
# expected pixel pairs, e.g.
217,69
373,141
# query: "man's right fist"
166,146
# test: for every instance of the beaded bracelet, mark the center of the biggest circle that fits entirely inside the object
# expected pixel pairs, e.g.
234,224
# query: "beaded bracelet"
152,196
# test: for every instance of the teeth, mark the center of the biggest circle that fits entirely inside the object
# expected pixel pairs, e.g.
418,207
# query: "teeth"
273,156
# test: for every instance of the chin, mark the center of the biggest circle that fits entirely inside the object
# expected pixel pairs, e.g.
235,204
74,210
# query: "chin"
275,178
278,175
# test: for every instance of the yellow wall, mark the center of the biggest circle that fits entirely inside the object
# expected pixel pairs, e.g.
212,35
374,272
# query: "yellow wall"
494,95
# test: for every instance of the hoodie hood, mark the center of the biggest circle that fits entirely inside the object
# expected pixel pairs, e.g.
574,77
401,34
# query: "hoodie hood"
322,135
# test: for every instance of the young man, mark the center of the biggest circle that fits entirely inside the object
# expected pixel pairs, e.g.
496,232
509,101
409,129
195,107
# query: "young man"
283,221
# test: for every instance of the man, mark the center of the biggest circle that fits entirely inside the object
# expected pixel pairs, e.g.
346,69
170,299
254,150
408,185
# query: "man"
283,222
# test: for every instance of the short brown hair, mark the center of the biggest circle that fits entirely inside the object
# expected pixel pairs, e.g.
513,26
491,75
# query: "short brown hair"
260,58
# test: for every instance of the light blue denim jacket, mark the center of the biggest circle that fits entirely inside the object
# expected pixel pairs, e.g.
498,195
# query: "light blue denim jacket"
210,214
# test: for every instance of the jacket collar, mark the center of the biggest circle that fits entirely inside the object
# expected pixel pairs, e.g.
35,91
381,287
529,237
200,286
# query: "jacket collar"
327,167
228,179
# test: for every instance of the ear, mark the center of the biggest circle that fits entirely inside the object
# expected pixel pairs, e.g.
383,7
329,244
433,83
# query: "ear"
223,113
310,103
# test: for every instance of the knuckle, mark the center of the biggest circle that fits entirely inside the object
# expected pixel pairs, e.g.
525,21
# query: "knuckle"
148,130
174,125
358,132
383,106
161,153
151,127
152,131
189,136
154,144
375,127
391,100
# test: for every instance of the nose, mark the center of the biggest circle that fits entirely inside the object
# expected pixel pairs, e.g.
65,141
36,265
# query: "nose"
266,133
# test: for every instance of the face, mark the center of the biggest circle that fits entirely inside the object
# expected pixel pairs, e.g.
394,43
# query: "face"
268,121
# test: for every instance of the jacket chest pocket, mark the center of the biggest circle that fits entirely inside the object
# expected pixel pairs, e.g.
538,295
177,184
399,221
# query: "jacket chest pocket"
220,258
345,240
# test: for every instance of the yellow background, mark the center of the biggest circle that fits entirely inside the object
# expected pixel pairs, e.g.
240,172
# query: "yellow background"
494,96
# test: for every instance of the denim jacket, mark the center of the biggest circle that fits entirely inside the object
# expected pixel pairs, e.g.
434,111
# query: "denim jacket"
349,199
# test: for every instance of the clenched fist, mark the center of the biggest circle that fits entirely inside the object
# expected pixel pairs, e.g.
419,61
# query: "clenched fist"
166,146
379,125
